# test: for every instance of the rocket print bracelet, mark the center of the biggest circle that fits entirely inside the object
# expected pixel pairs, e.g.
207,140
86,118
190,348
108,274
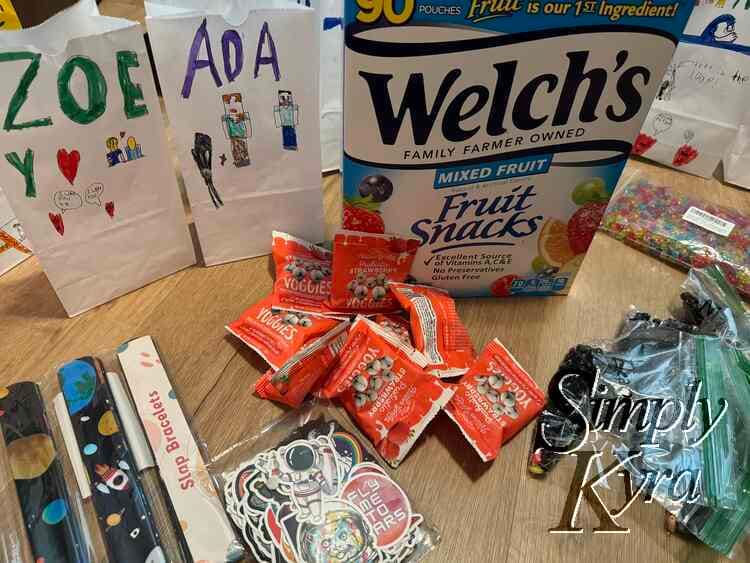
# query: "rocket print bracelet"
54,532
121,506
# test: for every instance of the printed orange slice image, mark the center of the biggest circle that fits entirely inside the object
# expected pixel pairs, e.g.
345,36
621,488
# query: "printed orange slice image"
553,243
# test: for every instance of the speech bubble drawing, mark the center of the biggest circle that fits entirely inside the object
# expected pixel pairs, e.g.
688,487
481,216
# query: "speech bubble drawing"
67,199
94,194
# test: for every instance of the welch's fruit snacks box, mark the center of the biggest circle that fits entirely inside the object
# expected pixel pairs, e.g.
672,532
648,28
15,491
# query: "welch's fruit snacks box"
496,130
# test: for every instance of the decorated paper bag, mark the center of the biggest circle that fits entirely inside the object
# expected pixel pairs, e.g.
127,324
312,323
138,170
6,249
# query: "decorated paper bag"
703,95
85,163
331,14
737,157
240,82
14,248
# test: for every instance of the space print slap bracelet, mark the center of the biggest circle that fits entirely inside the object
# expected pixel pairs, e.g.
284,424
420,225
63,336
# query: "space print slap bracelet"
121,506
54,531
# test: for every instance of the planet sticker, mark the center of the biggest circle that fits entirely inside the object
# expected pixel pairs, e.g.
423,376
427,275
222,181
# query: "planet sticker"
78,384
4,392
31,456
54,512
114,519
107,424
90,449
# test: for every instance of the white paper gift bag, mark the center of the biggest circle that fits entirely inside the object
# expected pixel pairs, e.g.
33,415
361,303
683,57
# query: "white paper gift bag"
240,82
737,157
14,246
331,13
703,95
85,164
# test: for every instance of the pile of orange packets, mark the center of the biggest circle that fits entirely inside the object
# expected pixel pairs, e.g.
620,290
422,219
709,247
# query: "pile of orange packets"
344,325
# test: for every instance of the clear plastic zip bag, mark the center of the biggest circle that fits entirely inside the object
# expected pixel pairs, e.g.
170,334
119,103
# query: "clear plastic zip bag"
306,488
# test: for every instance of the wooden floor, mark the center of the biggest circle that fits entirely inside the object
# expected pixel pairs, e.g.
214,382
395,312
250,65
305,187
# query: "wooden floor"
486,513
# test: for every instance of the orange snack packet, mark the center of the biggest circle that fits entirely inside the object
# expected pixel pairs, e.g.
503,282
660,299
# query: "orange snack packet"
275,334
363,266
437,330
382,384
396,325
305,371
303,274
494,400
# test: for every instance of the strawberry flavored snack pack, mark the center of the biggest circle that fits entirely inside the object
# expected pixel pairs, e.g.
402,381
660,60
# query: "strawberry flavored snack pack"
304,372
397,325
436,329
363,266
275,334
303,274
382,384
494,400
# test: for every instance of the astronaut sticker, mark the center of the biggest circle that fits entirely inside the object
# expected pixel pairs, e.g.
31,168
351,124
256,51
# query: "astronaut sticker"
319,497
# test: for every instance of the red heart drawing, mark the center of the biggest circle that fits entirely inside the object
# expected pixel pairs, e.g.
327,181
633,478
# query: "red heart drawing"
684,155
68,164
110,208
57,222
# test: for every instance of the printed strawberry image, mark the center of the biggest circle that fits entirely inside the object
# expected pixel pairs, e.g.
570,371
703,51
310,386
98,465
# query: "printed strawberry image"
684,155
362,211
110,208
501,287
399,434
583,224
389,450
642,143
57,222
360,219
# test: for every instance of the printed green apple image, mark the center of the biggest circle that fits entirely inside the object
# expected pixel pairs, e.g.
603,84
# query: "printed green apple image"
590,190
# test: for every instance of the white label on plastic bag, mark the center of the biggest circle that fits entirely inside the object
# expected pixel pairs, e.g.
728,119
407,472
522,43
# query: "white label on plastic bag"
708,221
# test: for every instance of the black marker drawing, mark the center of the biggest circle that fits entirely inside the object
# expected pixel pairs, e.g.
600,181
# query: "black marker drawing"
662,123
202,154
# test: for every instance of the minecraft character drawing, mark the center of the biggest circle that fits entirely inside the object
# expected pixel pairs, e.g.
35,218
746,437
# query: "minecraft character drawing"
114,152
237,128
203,156
286,116
133,150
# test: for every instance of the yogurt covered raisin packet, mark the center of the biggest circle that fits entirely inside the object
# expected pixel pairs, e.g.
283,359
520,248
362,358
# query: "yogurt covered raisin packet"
275,334
363,266
304,372
494,400
382,384
303,274
436,328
